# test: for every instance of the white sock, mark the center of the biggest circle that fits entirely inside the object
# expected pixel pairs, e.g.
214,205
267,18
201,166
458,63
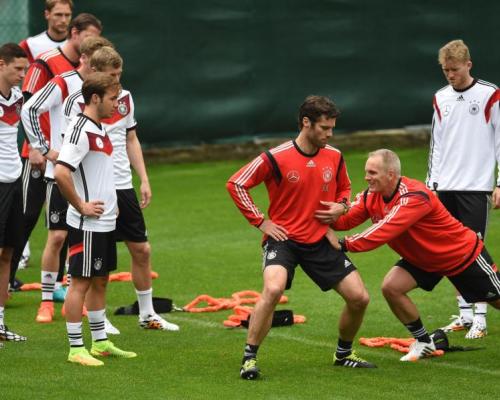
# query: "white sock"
465,309
480,313
48,283
75,337
145,300
2,311
96,322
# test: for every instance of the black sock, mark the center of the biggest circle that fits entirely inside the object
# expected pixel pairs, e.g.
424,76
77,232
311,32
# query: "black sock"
250,351
344,349
418,331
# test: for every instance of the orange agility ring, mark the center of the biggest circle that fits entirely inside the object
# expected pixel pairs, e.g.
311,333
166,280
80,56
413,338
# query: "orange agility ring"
213,304
398,344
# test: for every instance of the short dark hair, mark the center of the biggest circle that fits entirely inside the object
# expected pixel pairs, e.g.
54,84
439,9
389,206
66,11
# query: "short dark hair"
9,51
83,21
97,83
314,107
50,4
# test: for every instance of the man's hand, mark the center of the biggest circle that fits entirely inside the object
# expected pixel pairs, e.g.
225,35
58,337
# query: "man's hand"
37,160
277,232
495,198
52,155
93,208
331,214
145,194
333,239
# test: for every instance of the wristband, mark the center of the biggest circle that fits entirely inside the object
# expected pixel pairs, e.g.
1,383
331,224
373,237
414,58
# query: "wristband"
343,246
346,208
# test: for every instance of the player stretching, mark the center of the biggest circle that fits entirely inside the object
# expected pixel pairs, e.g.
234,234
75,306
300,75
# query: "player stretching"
414,223
300,176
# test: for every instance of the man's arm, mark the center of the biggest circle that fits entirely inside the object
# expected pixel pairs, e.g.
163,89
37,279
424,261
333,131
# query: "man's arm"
136,158
335,209
494,114
62,175
45,100
36,78
238,187
435,149
354,216
405,213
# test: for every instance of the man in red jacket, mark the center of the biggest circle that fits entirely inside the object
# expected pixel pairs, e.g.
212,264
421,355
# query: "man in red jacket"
301,176
414,223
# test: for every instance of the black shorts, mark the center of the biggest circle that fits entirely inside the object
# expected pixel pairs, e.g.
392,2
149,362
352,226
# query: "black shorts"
320,261
91,253
480,281
34,187
55,208
470,208
130,225
11,214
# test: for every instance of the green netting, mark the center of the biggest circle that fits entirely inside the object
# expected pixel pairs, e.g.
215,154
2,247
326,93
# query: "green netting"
13,20
209,70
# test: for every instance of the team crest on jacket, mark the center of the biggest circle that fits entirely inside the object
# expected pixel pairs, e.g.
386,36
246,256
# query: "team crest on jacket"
327,174
474,107
293,176
122,109
99,143
36,173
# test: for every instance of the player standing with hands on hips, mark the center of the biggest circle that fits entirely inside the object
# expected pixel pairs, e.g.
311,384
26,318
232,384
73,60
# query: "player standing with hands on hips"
84,173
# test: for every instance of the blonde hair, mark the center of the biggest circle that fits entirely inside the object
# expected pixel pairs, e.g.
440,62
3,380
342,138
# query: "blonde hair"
105,57
93,43
389,159
456,50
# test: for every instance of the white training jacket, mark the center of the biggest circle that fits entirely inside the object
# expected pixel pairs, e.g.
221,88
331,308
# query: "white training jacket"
465,138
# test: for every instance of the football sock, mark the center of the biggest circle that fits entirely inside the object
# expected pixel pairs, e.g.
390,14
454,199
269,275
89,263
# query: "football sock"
465,309
96,323
48,284
145,300
344,349
418,331
1,315
480,312
250,351
74,330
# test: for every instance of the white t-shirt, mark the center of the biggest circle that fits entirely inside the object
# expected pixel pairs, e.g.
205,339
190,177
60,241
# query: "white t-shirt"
36,45
10,110
116,127
87,151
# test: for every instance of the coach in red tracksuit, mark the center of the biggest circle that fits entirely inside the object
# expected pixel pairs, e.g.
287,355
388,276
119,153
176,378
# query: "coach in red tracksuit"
301,176
413,222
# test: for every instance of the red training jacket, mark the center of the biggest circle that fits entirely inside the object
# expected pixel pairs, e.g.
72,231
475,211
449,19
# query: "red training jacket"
416,225
296,183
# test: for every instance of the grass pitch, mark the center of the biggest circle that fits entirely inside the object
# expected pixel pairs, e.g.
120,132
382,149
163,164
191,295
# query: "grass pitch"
202,245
